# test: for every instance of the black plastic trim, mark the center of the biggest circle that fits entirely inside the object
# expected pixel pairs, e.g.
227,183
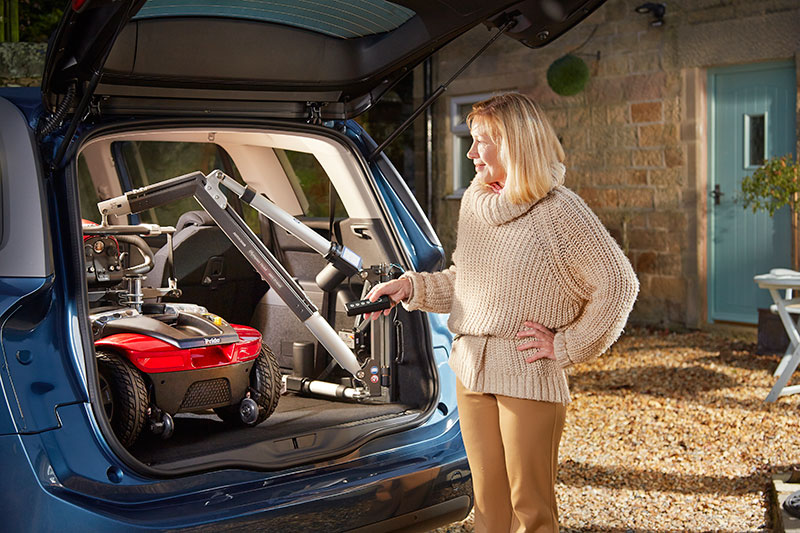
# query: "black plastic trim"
422,520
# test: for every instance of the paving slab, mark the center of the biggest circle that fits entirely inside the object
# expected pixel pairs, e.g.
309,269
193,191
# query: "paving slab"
785,485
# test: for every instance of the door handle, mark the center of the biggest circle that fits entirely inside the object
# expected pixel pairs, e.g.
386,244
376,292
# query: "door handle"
362,232
717,194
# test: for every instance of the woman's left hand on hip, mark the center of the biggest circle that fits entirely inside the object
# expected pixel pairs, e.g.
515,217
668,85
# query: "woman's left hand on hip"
542,341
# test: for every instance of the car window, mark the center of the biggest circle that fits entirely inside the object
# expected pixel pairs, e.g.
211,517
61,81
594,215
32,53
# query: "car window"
25,245
310,182
87,192
148,162
3,209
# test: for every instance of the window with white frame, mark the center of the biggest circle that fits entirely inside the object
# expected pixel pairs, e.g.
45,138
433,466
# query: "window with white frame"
463,170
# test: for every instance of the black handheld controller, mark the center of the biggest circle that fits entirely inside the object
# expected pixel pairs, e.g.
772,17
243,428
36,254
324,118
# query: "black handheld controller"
365,306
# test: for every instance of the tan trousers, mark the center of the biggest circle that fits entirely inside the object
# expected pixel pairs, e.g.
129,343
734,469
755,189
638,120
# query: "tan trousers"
512,448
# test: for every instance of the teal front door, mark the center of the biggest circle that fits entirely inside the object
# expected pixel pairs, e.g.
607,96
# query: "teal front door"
751,118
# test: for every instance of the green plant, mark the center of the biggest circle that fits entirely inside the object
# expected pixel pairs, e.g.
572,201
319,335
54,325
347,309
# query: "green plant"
774,185
38,18
567,75
9,20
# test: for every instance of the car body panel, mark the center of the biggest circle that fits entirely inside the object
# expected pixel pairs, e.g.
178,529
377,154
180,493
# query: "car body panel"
423,468
24,229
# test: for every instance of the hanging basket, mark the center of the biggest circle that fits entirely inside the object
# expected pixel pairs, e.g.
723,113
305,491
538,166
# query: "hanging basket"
568,75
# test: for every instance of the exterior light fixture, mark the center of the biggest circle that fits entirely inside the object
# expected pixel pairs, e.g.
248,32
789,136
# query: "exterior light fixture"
657,9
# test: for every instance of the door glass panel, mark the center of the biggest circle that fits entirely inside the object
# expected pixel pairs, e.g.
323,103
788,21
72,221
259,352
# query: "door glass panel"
754,133
310,182
149,162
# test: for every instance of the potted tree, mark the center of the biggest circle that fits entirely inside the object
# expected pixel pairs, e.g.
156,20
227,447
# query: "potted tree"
772,186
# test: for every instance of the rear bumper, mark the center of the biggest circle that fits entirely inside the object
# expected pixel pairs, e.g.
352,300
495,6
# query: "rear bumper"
417,485
425,519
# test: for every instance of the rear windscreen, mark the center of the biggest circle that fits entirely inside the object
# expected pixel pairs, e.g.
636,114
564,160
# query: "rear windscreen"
337,18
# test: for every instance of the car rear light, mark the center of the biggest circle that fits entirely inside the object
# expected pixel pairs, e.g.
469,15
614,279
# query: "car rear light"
77,5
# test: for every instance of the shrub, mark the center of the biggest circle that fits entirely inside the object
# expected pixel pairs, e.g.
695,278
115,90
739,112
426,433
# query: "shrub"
773,185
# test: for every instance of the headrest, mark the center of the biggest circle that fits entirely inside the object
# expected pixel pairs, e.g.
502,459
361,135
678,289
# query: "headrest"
194,218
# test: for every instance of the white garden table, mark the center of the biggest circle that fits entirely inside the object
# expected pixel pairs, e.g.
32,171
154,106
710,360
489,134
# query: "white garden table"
781,279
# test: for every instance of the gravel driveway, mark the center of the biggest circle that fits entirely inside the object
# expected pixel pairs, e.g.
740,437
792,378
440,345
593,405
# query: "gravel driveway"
668,432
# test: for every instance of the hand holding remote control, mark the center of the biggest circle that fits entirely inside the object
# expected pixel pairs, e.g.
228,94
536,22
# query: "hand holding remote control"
395,290
361,307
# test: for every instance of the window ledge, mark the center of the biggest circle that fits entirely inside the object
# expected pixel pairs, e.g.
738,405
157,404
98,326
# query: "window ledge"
456,195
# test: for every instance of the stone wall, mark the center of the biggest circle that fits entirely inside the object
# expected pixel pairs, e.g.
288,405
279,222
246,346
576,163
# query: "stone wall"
635,137
21,64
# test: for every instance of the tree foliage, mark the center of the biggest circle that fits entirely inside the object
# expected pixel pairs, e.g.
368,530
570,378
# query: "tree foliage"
38,19
774,185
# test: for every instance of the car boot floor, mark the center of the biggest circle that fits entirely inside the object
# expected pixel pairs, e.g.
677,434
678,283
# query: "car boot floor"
197,435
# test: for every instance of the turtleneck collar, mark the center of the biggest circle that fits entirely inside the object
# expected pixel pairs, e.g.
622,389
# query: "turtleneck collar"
495,208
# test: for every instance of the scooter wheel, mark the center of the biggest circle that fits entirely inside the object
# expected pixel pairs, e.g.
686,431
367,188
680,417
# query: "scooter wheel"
124,396
265,380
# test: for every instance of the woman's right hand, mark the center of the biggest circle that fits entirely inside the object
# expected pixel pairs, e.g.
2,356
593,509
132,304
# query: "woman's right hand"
397,290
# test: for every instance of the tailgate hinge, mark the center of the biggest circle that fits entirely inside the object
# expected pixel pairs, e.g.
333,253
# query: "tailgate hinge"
314,113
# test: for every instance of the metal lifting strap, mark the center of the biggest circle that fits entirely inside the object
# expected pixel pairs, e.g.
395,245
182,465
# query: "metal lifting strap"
507,25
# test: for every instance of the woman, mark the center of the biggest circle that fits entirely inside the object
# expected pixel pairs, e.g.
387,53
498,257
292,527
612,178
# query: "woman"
537,285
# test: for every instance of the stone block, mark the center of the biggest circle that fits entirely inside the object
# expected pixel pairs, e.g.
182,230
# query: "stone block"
672,109
637,220
644,62
605,177
599,198
673,178
617,158
598,116
646,112
669,199
659,263
558,118
644,86
668,288
673,156
575,139
652,38
615,11
578,117
602,139
717,13
658,134
627,37
617,114
626,136
641,198
675,221
22,60
613,65
635,176
649,158
580,159
648,240
606,90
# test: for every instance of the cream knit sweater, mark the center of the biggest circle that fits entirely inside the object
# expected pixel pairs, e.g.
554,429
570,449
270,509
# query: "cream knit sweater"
550,262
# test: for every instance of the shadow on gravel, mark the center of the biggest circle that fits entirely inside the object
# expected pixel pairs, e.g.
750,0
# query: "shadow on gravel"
654,380
578,475
747,360
603,529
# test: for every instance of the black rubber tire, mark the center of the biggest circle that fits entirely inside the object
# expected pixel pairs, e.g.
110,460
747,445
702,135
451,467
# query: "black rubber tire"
124,395
265,378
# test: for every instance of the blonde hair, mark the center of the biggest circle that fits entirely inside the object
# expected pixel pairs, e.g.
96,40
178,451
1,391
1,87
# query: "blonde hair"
528,147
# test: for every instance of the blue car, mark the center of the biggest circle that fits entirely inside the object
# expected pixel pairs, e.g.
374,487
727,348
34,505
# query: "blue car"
187,181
